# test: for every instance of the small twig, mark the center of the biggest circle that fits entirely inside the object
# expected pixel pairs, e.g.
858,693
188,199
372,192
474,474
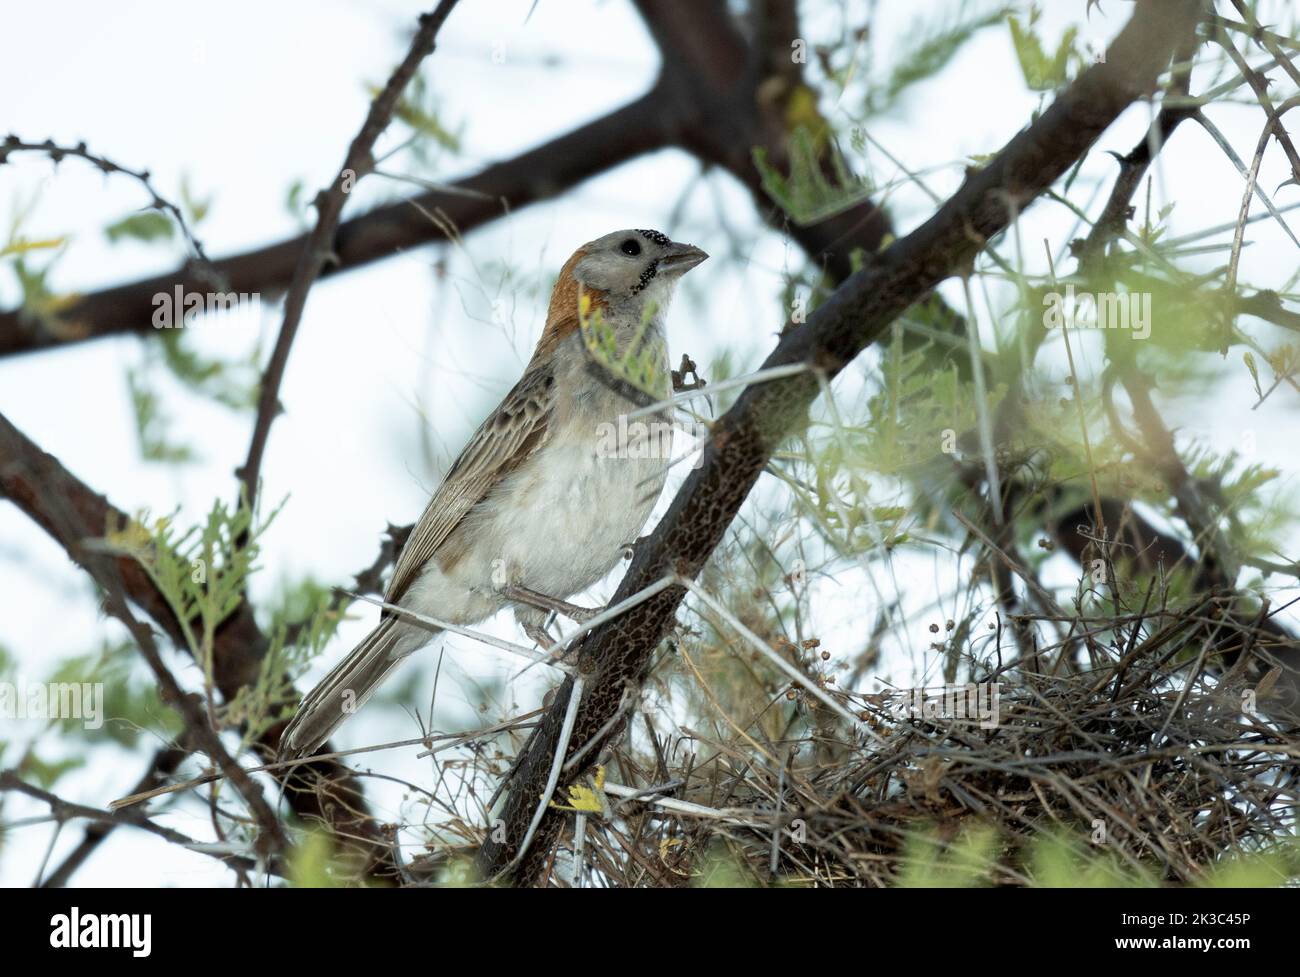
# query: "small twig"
195,717
553,778
63,810
319,249
453,739
1233,158
758,376
761,646
1022,572
536,657
628,700
579,841
12,144
163,765
734,816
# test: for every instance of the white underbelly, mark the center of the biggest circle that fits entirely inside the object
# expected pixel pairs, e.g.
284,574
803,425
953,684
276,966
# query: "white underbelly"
580,510
561,521
559,525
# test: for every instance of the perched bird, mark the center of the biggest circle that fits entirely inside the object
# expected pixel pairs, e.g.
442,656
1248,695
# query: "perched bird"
537,507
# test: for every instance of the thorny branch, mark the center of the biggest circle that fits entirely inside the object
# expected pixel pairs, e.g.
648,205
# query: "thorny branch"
56,153
319,248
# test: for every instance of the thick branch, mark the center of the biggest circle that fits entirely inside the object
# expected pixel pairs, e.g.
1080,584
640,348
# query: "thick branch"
731,100
546,171
33,479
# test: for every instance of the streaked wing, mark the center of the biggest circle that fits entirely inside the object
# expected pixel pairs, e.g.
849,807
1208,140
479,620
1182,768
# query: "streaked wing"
516,429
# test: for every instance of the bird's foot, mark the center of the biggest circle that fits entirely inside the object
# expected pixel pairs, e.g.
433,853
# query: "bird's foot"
564,658
533,598
539,634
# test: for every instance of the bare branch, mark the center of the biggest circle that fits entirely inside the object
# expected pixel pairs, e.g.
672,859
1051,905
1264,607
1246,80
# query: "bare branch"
162,766
494,192
12,144
63,810
319,248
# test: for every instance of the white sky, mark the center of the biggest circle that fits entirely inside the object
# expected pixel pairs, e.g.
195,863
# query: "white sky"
247,102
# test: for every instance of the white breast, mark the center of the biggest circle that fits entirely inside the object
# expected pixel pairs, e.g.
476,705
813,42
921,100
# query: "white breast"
582,506
560,522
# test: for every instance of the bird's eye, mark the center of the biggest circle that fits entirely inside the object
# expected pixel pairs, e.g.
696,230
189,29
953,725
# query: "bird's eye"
630,247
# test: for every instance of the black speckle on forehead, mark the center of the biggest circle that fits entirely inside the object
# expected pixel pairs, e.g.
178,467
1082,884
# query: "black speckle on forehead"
655,236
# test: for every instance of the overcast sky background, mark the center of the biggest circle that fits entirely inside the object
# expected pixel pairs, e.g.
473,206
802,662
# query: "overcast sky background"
247,102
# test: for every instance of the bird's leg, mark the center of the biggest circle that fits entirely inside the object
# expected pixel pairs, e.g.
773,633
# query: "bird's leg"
538,633
533,598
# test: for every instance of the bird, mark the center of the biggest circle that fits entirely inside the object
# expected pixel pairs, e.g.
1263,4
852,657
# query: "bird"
537,507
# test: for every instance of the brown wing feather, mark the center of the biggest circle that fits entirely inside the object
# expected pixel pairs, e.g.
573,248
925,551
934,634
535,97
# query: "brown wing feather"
511,434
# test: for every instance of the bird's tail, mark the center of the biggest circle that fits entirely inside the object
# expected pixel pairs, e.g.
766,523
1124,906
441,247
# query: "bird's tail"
347,687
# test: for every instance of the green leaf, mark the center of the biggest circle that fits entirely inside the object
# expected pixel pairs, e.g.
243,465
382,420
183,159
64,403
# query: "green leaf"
418,109
1060,862
22,245
294,202
40,303
148,227
1042,72
311,863
1249,359
195,209
233,383
809,195
1256,870
966,862
46,774
151,426
203,573
928,48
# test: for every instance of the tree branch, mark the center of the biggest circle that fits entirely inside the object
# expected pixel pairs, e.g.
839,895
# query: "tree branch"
730,100
164,763
327,792
319,249
62,810
543,172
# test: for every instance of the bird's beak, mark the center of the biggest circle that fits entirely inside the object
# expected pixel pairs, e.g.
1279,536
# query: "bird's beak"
681,258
